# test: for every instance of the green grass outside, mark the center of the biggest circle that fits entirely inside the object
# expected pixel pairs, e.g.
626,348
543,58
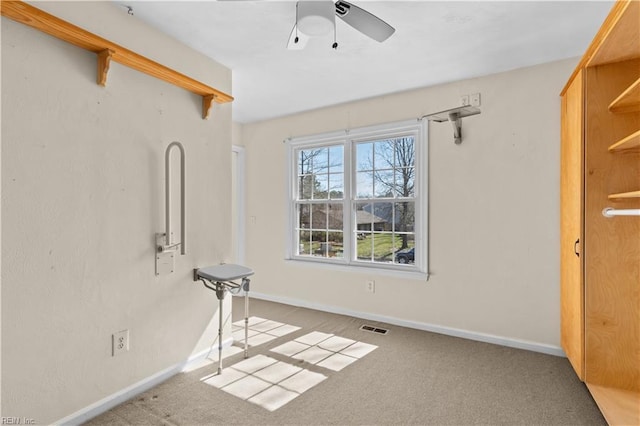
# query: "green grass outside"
384,247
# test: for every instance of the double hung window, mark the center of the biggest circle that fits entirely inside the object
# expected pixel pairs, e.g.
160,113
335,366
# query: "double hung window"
359,197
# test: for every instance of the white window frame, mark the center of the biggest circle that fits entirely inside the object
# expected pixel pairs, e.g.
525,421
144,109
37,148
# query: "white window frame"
349,139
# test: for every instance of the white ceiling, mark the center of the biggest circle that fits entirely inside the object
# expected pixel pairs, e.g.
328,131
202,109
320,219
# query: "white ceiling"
435,42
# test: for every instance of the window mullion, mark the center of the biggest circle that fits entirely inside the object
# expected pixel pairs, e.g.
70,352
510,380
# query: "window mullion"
347,207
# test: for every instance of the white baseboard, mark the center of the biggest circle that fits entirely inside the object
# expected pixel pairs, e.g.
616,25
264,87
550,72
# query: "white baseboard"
119,397
105,404
449,331
204,354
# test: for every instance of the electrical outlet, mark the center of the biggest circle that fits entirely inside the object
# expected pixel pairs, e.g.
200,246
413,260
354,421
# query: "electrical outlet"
475,99
120,342
371,286
464,100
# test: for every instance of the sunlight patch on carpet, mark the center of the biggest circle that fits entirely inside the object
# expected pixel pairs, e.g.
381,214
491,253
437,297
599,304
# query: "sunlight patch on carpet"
265,381
271,383
325,350
261,330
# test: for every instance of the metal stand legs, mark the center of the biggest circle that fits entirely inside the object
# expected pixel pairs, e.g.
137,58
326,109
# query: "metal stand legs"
220,292
220,295
245,287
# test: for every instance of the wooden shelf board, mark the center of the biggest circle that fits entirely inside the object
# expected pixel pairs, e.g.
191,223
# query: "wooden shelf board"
629,100
619,406
630,142
625,195
108,51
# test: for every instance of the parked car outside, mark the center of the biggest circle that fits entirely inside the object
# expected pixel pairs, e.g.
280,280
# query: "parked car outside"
405,256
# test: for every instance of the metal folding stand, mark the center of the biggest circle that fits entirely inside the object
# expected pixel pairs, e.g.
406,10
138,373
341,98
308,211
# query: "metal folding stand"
219,278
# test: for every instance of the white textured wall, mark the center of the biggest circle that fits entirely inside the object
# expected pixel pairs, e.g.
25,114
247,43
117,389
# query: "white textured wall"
494,201
83,195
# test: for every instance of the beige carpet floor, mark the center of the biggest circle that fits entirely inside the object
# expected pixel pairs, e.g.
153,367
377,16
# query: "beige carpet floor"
412,377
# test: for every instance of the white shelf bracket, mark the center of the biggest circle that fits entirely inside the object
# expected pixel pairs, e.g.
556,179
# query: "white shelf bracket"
455,116
456,121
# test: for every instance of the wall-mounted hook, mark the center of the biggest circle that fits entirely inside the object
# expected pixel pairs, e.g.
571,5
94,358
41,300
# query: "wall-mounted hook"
183,220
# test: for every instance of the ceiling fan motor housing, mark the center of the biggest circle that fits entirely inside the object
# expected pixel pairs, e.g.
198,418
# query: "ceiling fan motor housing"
316,18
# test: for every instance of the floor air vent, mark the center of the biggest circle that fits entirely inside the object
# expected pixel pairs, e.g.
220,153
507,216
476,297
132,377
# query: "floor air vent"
374,329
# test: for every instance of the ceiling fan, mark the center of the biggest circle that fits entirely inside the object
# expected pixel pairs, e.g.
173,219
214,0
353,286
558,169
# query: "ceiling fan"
316,18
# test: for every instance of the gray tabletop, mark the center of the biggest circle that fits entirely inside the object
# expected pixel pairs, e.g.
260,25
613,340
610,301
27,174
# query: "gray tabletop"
224,272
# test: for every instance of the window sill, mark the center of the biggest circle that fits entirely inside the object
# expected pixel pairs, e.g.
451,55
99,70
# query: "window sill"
413,274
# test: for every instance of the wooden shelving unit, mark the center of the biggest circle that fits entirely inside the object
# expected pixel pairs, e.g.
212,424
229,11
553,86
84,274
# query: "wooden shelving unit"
631,142
108,51
600,297
628,101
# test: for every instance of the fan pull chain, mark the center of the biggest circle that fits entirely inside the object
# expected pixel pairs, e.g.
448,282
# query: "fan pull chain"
335,43
295,40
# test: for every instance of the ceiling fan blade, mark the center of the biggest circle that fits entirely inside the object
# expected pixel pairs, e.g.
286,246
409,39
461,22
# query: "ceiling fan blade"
363,21
297,40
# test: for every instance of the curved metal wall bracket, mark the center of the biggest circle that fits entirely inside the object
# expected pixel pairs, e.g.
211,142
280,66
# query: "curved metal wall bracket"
455,116
183,220
165,247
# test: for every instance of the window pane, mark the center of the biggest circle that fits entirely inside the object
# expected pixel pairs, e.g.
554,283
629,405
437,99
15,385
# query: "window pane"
364,185
364,219
382,215
304,216
384,154
383,183
336,186
406,256
305,161
334,216
405,228
383,229
364,249
304,243
364,156
319,216
383,247
405,152
336,157
305,187
319,243
320,160
321,187
392,163
335,248
405,182
405,216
